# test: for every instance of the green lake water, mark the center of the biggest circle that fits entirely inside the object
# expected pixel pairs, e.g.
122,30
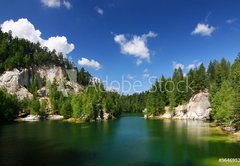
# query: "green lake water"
130,140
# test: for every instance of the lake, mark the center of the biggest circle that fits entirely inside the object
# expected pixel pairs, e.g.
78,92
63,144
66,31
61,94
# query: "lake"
130,140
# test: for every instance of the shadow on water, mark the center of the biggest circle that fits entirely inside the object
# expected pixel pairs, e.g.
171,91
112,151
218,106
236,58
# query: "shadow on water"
32,152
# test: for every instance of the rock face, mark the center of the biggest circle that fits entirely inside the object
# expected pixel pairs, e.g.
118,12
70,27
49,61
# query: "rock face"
237,135
16,81
12,81
198,107
55,117
30,118
168,114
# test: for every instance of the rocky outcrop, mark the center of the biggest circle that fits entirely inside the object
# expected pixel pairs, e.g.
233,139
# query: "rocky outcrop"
107,116
168,114
55,117
237,135
14,82
198,107
30,118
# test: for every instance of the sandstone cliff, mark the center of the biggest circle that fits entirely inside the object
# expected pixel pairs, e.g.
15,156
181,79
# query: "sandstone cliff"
198,107
17,81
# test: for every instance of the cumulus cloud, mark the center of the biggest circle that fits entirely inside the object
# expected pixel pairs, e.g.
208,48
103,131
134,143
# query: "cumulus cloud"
89,63
177,65
67,4
232,20
51,3
99,10
130,77
203,30
59,43
137,46
24,29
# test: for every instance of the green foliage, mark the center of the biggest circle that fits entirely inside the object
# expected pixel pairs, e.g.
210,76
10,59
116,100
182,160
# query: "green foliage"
20,53
172,102
180,91
66,109
191,83
133,103
222,105
201,82
211,71
225,93
34,107
111,104
155,100
8,106
76,104
83,77
34,86
43,106
55,97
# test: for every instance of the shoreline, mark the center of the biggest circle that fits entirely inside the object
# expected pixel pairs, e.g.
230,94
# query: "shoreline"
36,118
232,133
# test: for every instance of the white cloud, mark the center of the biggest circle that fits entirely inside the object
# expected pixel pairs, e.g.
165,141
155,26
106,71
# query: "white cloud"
51,3
130,77
99,10
89,63
136,47
24,29
67,4
146,74
59,43
194,65
177,65
191,66
232,20
203,30
145,70
138,62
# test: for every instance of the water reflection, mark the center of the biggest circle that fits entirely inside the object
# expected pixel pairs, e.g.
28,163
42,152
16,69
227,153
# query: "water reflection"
127,141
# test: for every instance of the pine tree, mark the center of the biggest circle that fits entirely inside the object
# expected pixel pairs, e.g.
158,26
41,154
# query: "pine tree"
191,83
172,101
180,86
222,105
235,80
201,79
211,71
76,104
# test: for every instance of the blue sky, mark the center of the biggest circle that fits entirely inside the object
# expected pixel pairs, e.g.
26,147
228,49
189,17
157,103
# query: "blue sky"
167,33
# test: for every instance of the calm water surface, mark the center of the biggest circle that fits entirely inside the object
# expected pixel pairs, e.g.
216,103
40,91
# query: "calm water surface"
130,140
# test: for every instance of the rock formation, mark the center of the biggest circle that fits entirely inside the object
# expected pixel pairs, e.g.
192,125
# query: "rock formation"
198,107
16,82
